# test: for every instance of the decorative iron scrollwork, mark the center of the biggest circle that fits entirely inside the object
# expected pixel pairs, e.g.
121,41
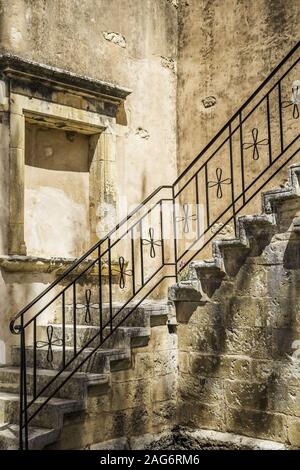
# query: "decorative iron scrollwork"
295,99
123,272
255,144
219,182
186,218
153,243
88,305
51,342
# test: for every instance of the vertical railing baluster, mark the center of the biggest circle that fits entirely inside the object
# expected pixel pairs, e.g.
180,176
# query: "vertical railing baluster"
162,235
269,129
132,262
175,232
25,388
110,286
197,206
141,252
34,358
21,382
242,157
63,319
207,197
280,117
100,293
232,177
74,319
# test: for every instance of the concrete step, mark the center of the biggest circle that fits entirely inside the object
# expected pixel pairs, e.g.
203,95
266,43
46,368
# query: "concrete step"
38,438
50,416
100,362
122,338
141,316
75,388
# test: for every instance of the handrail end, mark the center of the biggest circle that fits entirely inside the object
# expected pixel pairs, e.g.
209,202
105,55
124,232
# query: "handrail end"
14,329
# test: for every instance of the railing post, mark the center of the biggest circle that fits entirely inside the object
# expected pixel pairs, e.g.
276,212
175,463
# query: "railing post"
175,233
232,177
23,394
21,404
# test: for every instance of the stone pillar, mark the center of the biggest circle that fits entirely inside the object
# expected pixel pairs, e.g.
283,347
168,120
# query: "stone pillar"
16,244
103,193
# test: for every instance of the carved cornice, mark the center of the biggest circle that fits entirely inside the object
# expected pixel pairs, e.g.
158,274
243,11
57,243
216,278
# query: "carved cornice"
30,72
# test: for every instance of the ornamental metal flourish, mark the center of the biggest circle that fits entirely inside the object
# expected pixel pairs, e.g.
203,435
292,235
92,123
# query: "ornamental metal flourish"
123,272
51,342
295,99
153,243
219,182
255,144
186,218
87,306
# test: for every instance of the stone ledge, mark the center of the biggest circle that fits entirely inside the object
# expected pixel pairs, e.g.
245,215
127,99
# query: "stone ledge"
39,264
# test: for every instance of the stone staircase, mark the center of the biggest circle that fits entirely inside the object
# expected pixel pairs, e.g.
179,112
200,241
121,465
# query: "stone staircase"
205,277
253,234
115,355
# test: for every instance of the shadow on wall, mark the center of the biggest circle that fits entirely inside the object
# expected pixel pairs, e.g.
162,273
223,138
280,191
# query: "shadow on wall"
239,344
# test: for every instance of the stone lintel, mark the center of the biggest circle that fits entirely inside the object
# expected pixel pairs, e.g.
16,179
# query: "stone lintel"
15,67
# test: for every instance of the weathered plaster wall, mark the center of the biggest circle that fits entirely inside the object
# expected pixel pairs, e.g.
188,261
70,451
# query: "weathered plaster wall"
131,43
56,192
225,51
226,48
239,364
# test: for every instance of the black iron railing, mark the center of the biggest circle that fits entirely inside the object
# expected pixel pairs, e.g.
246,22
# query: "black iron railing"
159,238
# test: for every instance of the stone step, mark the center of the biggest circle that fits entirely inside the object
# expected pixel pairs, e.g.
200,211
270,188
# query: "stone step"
122,338
38,438
75,387
143,315
50,416
100,362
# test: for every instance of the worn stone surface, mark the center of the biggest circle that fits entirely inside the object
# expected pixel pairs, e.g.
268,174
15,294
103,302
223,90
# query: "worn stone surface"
239,366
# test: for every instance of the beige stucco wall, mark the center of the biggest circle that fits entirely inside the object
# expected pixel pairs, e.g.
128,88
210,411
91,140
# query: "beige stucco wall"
226,49
56,193
71,35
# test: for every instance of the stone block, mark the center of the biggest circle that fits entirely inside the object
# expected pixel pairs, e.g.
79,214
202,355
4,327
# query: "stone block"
202,389
142,368
251,280
242,395
130,394
164,413
164,388
205,339
284,398
129,422
183,362
254,342
293,431
246,311
201,415
220,366
161,339
283,343
257,424
164,362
